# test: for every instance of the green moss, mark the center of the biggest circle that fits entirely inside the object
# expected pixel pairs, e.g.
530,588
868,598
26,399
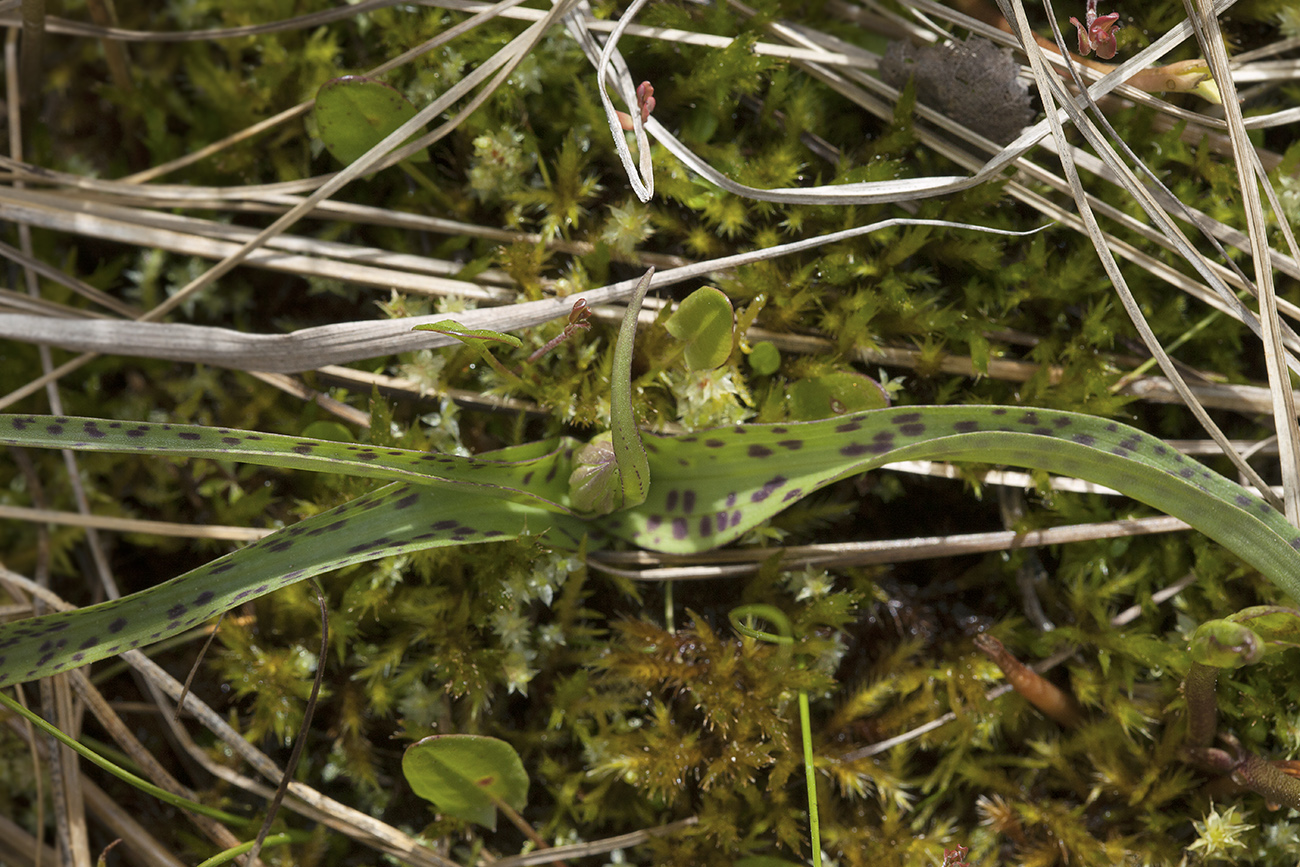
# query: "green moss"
623,723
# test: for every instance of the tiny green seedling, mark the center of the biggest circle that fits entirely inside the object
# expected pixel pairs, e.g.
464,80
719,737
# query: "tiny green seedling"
1245,638
835,393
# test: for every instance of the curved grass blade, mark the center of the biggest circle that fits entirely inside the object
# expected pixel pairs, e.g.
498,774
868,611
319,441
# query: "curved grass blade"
629,453
713,486
538,475
395,519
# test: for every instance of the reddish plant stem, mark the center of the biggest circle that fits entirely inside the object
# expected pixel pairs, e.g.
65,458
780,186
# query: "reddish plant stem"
1039,691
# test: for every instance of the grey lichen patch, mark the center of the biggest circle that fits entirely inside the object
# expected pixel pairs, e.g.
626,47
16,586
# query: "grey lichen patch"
973,82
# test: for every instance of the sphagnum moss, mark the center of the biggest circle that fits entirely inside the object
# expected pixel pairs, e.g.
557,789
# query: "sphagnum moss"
571,665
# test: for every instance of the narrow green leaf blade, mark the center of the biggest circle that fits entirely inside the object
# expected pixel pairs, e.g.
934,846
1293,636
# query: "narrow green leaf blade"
465,334
538,475
629,453
395,519
713,486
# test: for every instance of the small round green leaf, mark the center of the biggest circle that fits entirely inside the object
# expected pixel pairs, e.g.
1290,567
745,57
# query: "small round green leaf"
765,358
353,114
703,323
835,394
466,776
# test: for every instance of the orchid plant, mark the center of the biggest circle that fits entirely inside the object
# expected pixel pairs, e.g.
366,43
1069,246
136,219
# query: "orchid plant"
679,493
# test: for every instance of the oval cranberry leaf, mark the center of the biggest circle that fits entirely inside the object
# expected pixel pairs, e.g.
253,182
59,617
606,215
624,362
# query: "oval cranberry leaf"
353,114
704,323
467,776
835,394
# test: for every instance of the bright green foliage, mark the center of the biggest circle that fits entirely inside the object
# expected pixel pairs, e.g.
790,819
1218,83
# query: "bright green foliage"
507,638
834,393
466,776
712,488
703,322
353,114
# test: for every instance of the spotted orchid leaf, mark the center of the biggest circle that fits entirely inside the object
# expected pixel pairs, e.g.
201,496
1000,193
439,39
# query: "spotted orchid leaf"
713,486
536,473
396,519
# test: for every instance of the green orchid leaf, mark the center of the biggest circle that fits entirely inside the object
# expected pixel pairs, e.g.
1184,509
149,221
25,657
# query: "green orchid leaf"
703,321
353,114
629,454
466,776
1278,628
835,394
713,486
1224,644
537,476
395,519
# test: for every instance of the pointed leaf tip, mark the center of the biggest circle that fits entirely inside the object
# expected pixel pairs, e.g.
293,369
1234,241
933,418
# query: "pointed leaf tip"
629,453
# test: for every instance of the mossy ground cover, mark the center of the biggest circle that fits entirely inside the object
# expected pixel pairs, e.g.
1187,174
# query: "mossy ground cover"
627,719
